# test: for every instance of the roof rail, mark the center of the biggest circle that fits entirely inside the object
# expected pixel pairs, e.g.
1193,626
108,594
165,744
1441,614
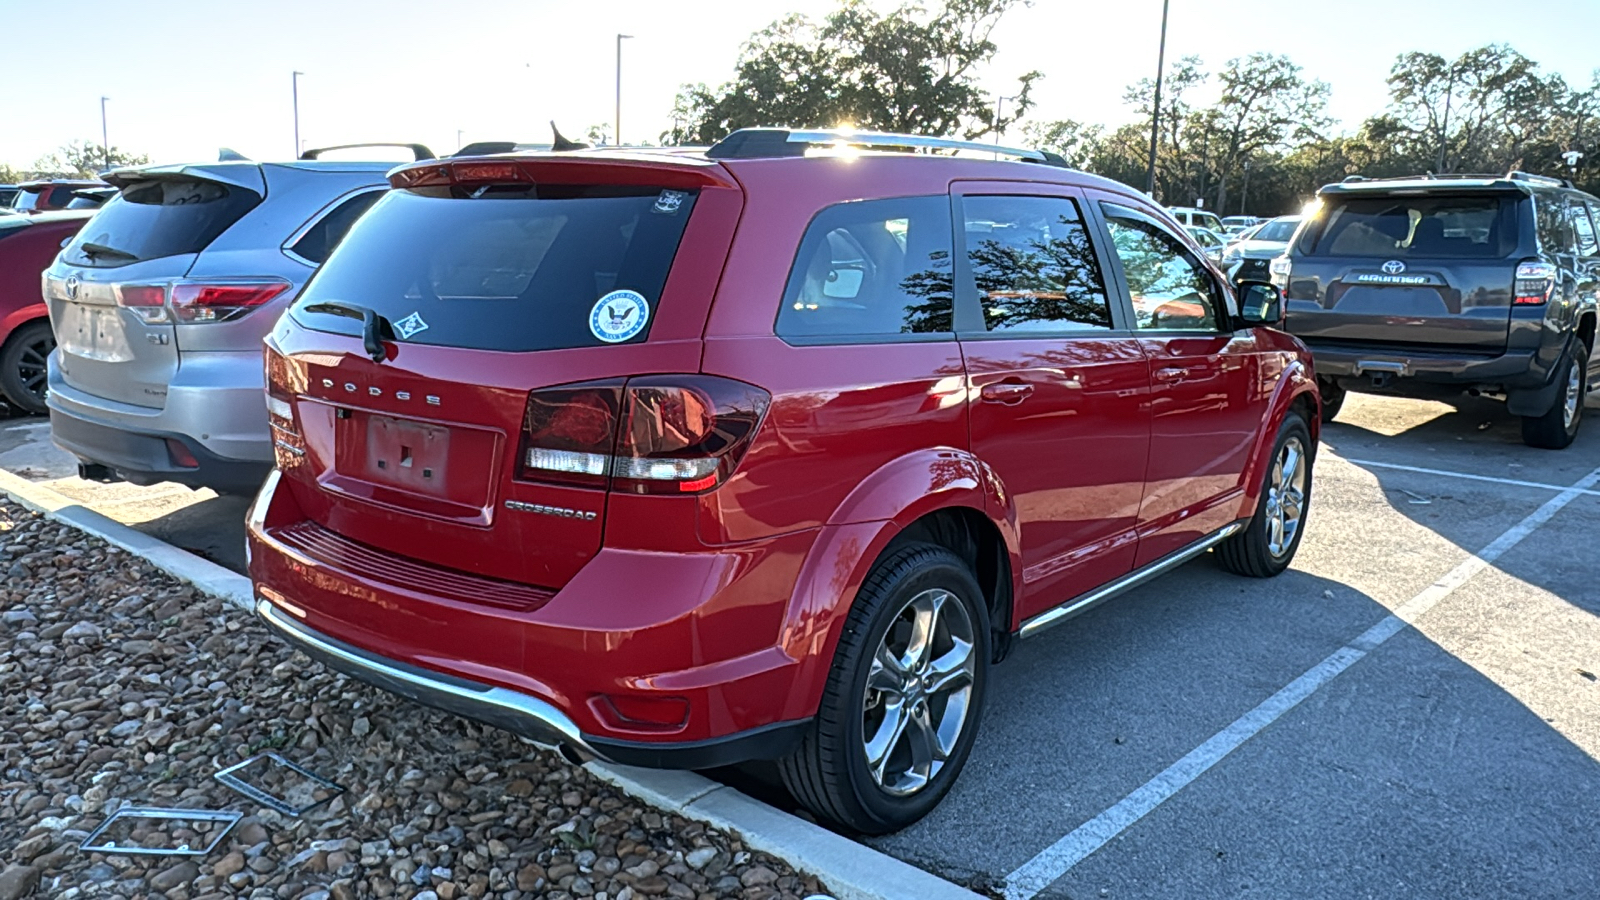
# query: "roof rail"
759,143
1517,175
419,152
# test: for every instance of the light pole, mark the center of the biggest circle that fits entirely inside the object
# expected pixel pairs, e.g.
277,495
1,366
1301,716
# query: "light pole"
616,132
105,133
458,138
999,104
1155,111
295,88
1244,195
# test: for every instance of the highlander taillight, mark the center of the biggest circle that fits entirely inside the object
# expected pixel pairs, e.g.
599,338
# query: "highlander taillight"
147,301
672,434
1536,281
222,302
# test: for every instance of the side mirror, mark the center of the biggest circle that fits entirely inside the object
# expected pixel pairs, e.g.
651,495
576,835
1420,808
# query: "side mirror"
1260,303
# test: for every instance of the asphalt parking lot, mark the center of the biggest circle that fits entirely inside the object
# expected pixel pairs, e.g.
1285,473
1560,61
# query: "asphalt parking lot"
1210,736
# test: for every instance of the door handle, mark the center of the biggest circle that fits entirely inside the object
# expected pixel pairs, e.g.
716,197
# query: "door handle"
1006,393
1172,373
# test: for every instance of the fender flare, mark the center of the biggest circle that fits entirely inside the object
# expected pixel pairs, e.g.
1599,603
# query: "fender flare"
1295,381
889,500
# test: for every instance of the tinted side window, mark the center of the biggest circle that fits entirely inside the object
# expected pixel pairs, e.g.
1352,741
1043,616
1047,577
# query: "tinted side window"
872,269
320,239
1555,235
1583,228
1170,289
1033,264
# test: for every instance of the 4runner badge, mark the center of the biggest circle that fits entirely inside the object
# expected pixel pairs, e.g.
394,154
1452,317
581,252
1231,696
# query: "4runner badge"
1393,267
410,325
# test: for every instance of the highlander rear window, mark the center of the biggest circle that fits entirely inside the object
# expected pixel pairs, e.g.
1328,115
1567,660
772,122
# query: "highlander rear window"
544,268
1482,227
159,218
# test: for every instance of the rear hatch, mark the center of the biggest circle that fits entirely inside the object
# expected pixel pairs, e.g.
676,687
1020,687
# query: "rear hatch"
514,306
112,293
1429,270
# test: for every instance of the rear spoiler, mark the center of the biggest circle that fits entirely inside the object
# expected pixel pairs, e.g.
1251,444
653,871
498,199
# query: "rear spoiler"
419,152
246,175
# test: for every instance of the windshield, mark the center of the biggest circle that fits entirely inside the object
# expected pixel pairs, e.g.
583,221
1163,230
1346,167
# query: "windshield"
541,268
28,198
1278,230
158,218
1483,227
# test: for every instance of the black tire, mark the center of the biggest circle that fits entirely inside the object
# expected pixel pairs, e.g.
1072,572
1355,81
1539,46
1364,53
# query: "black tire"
22,367
1332,398
829,772
1556,428
1250,552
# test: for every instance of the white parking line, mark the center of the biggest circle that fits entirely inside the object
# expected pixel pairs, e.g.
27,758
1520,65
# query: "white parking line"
1056,860
1511,481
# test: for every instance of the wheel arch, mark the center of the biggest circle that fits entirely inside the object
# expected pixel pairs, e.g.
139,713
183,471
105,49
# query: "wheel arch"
1296,391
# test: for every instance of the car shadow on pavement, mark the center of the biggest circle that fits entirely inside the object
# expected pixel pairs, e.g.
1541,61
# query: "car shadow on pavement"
209,528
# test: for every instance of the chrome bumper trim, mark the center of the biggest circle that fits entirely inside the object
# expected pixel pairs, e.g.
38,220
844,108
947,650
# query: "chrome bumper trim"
516,712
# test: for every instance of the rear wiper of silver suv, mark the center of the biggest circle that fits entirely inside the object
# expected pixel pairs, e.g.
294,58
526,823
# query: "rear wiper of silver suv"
92,250
374,327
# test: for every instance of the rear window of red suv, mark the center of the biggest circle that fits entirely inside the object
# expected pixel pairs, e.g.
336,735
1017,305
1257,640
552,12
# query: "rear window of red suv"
547,267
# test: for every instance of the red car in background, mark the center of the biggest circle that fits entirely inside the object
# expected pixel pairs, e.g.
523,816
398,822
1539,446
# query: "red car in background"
766,451
28,244
43,196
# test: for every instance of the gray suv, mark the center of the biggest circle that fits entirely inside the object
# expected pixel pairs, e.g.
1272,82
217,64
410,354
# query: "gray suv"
160,304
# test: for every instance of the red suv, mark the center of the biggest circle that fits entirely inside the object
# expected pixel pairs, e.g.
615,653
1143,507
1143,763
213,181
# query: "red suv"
766,451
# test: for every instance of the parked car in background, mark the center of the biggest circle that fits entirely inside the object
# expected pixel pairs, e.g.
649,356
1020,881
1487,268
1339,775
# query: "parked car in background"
1210,242
160,305
8,193
1188,217
1433,286
1236,224
681,458
42,196
27,246
1249,256
91,198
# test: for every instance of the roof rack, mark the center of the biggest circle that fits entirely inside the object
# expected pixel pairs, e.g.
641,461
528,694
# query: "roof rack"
419,152
761,143
1516,175
1513,175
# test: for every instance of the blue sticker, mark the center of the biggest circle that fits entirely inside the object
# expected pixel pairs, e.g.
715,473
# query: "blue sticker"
619,316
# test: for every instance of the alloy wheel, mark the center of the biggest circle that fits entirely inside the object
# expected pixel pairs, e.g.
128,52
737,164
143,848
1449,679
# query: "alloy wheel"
1573,397
1286,493
919,692
32,368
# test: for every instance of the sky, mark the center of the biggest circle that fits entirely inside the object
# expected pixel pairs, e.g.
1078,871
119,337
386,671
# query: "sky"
185,77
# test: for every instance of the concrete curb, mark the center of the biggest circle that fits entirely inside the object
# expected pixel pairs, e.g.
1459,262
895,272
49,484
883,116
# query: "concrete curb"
177,562
852,871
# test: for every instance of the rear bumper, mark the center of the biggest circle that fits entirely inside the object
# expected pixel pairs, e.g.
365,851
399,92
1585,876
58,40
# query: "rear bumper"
222,423
682,631
1514,369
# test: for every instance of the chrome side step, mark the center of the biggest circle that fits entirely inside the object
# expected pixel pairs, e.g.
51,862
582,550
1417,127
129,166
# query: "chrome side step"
1133,579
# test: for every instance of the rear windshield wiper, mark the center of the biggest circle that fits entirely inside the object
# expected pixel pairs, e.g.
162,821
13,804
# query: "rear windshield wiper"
93,251
374,327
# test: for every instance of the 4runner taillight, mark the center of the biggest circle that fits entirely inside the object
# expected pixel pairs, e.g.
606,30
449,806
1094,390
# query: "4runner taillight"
660,434
1536,281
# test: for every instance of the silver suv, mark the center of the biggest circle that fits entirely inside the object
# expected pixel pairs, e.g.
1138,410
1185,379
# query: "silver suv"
160,304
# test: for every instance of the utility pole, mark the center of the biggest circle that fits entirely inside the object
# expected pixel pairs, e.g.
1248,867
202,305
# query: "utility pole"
616,132
295,79
1244,195
105,133
1155,111
999,102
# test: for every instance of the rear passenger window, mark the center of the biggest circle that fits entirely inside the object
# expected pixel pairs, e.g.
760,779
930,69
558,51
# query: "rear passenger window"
319,240
872,269
1033,264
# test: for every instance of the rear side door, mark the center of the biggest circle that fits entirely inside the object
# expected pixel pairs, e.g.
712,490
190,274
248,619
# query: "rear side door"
1207,396
108,291
1057,384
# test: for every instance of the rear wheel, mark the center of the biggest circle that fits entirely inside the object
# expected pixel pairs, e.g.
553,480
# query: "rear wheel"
23,376
1555,429
903,700
1332,398
1267,544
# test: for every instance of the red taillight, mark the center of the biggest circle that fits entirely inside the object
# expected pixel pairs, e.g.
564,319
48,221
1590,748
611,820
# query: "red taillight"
284,382
147,301
180,455
222,302
464,173
1536,281
655,435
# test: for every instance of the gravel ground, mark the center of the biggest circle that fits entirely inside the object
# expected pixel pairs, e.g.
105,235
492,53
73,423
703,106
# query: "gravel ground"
122,686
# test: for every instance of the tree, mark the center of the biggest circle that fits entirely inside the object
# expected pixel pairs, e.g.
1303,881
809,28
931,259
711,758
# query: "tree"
911,70
86,159
1074,141
1265,105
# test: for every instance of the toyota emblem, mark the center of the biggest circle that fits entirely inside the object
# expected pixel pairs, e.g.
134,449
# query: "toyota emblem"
72,287
1393,267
